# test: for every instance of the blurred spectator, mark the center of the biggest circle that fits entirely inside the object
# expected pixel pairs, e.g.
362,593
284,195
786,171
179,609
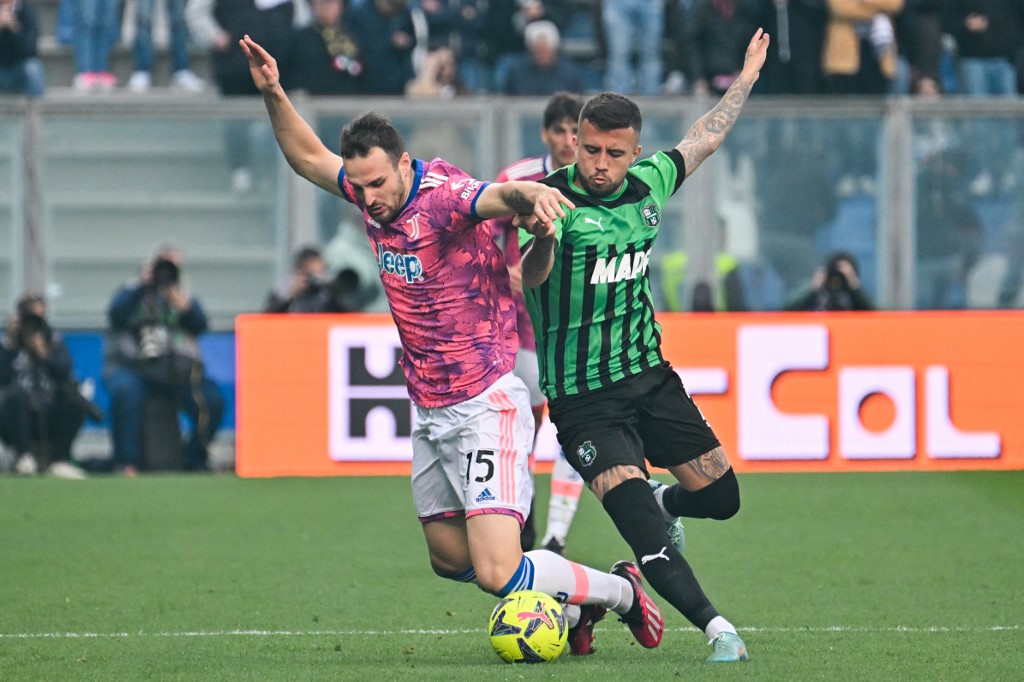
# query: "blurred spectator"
725,294
859,55
41,409
97,27
324,57
459,25
797,28
219,25
439,78
634,28
309,289
152,350
988,35
305,290
717,35
919,34
797,198
835,286
21,70
506,23
384,29
542,71
182,77
948,231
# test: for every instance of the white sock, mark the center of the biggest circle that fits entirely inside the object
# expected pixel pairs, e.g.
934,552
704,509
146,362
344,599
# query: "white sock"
572,614
717,626
566,487
554,574
659,493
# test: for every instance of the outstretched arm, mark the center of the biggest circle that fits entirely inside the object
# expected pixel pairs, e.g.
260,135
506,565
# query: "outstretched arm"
305,153
708,133
520,197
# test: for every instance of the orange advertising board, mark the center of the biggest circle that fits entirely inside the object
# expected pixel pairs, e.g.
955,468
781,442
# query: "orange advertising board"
323,394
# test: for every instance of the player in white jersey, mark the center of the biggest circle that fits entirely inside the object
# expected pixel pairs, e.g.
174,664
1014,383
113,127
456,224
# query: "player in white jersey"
448,289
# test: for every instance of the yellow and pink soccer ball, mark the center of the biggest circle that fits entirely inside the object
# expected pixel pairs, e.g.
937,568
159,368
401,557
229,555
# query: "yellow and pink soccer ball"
528,627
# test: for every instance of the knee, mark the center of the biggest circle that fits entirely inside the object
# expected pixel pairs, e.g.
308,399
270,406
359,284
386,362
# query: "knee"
722,497
493,578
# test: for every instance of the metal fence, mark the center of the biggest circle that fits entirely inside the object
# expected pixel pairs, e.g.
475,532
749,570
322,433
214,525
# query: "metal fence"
928,196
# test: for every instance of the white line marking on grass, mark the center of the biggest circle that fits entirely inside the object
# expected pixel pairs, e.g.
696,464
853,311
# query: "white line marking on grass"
385,633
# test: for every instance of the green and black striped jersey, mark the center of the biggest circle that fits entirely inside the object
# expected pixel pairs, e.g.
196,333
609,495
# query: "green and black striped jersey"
594,316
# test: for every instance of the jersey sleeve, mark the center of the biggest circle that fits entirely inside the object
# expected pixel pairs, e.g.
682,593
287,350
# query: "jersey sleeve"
346,188
663,172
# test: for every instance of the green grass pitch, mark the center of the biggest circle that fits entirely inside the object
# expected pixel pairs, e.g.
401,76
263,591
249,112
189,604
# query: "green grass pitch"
829,577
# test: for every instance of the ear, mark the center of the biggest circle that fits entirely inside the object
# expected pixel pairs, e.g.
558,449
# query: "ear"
639,148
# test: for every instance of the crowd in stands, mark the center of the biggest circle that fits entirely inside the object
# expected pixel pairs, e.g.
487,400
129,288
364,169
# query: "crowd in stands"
537,47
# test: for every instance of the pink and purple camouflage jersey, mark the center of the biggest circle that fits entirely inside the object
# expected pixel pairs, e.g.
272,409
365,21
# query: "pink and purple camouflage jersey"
447,285
532,168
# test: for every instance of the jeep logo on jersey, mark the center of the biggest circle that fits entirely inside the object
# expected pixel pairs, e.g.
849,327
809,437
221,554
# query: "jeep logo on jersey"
409,267
587,453
651,215
626,266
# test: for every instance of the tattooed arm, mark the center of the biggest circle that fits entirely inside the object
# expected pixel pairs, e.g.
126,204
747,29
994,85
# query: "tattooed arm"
708,133
523,197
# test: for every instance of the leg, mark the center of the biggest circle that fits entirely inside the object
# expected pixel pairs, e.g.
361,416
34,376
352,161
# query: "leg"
651,17
127,393
619,34
204,406
65,419
142,49
605,435
179,35
470,460
566,488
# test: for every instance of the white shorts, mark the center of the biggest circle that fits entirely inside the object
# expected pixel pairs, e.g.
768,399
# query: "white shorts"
527,370
472,458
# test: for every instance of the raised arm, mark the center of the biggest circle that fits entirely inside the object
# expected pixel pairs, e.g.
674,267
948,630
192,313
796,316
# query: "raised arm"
305,153
710,130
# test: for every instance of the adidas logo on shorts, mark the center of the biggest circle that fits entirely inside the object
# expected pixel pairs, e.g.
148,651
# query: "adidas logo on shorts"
485,496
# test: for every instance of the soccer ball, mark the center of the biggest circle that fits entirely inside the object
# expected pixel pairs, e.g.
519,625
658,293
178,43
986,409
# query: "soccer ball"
528,627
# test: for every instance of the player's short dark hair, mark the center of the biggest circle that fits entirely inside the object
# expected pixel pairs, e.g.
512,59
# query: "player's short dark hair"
370,130
612,111
304,256
561,106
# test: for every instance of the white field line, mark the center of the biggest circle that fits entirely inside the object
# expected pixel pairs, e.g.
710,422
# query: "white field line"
385,633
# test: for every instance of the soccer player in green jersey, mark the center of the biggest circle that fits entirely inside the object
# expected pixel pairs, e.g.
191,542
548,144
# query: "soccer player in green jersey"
612,396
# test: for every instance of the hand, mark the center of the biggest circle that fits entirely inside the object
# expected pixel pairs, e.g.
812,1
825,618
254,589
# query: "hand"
8,19
546,209
262,67
36,346
12,332
177,298
757,52
849,273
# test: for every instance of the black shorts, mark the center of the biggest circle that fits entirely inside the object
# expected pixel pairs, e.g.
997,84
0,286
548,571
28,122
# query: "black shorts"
647,415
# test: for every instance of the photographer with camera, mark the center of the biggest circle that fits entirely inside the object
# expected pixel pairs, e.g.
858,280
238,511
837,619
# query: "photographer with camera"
834,286
41,408
309,289
152,350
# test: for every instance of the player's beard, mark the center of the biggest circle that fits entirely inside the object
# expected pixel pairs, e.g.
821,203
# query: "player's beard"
393,209
598,191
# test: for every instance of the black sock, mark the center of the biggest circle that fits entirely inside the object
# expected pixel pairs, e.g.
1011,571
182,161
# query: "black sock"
720,500
636,514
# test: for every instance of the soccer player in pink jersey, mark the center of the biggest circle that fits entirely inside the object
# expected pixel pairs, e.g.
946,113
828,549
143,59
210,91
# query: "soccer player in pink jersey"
448,288
558,128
